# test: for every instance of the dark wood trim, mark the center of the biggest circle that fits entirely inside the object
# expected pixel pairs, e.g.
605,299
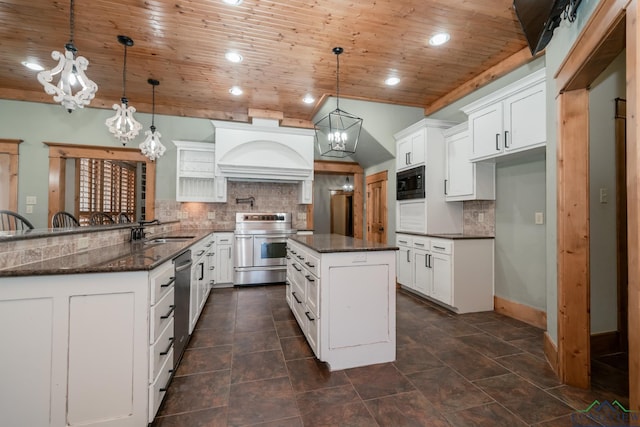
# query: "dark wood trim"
521,312
622,264
12,148
381,177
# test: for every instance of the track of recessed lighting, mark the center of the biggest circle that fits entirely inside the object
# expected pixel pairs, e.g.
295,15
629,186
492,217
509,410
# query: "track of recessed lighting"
308,99
392,81
232,2
32,66
234,57
235,90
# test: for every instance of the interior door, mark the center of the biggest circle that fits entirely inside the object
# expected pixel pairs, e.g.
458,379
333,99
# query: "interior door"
377,207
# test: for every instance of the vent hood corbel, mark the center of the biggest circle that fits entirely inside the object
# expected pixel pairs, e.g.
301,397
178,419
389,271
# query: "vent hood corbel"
264,151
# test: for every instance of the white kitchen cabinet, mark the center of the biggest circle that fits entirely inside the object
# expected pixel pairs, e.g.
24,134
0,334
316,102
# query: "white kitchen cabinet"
223,273
410,150
432,213
195,167
344,302
464,179
199,280
404,264
456,273
306,192
509,121
78,350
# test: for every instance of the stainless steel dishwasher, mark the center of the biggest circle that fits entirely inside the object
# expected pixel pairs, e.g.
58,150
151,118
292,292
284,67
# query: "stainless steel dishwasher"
182,264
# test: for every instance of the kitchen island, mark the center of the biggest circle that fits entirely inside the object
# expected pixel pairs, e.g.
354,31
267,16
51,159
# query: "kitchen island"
341,291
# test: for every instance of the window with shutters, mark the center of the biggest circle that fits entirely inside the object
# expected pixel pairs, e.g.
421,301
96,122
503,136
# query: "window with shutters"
105,186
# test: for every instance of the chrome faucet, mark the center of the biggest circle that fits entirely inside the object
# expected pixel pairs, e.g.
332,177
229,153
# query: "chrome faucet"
137,232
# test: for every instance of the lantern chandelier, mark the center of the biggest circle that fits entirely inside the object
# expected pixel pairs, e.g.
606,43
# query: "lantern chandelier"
152,147
123,125
71,70
338,132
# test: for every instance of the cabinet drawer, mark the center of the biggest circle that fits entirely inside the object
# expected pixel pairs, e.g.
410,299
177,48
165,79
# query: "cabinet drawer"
160,281
441,246
311,330
158,388
160,351
297,301
312,293
404,240
161,315
312,264
421,243
297,275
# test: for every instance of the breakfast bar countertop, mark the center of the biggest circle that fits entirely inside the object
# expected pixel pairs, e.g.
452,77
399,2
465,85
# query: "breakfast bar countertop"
128,256
328,243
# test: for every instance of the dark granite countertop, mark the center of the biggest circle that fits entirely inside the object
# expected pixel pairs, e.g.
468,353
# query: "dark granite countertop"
452,236
130,256
328,243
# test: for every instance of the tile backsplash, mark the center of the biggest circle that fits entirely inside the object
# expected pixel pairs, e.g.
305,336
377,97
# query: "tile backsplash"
269,197
479,217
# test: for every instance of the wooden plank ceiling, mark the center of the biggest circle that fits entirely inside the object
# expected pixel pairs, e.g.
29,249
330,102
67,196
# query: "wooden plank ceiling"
286,45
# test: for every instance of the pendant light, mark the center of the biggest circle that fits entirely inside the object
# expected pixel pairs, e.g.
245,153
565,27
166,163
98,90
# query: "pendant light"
122,125
347,186
71,70
152,147
338,132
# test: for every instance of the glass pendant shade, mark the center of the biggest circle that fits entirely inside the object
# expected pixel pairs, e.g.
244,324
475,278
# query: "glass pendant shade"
338,132
151,146
71,77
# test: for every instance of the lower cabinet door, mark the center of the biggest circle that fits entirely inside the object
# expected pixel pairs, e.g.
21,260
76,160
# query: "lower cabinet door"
423,274
442,278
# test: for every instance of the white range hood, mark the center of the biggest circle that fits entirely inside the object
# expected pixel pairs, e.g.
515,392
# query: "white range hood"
264,151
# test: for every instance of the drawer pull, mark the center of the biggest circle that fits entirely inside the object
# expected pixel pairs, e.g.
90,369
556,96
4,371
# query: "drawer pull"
200,253
296,298
293,252
497,139
166,316
296,267
166,386
419,244
309,264
306,313
169,283
286,282
300,257
164,353
439,247
309,278
287,257
403,241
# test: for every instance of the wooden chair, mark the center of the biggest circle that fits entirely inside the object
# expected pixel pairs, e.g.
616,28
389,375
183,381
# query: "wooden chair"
14,221
64,219
124,218
100,218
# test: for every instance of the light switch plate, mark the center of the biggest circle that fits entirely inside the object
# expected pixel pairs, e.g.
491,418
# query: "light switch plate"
481,217
31,200
539,218
211,215
29,209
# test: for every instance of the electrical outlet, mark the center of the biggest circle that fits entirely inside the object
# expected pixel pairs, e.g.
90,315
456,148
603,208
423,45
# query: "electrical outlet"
29,209
83,243
31,200
211,215
539,218
185,214
481,217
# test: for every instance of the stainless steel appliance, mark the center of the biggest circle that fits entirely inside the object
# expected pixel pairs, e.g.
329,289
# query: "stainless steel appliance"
260,247
182,264
410,184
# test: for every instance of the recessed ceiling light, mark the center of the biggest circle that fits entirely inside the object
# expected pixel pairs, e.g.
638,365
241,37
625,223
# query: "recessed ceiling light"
308,99
33,66
392,81
439,39
235,90
234,57
233,2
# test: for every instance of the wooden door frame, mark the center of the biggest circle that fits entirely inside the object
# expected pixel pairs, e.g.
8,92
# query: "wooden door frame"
376,177
60,152
329,167
11,147
611,27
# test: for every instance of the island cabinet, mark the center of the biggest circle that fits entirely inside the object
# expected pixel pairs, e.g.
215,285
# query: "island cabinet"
85,349
342,293
457,273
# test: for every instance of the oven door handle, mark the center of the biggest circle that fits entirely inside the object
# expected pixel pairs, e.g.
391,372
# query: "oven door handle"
243,237
271,237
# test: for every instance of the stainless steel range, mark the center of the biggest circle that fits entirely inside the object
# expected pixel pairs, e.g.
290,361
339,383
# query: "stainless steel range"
260,247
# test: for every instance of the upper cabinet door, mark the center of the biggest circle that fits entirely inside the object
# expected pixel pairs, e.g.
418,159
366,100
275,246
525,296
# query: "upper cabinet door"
525,119
485,126
460,171
411,150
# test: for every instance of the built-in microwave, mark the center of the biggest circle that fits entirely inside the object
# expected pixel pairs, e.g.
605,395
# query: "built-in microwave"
410,184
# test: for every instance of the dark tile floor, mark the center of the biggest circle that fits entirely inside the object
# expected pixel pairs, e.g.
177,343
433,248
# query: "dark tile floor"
247,364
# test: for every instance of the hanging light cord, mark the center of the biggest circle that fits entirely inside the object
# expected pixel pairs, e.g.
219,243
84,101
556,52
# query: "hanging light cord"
338,51
124,76
153,109
70,46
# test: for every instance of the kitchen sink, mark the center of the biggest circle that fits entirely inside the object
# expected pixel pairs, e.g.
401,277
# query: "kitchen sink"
169,239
